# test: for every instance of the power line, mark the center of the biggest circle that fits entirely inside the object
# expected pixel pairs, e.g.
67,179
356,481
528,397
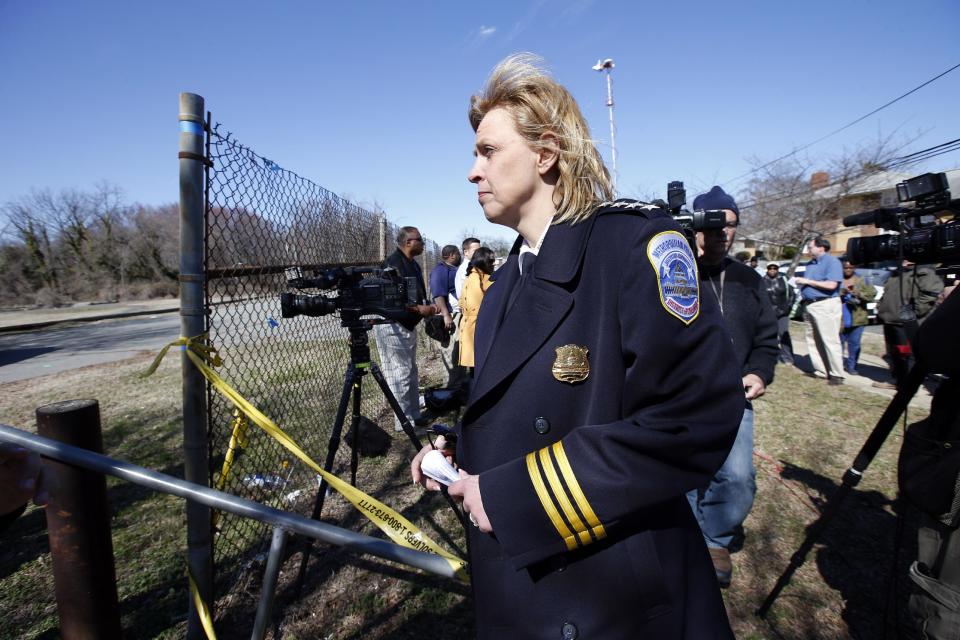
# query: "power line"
942,144
926,154
844,127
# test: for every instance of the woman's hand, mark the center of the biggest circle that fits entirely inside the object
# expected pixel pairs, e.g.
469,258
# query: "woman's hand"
467,488
418,476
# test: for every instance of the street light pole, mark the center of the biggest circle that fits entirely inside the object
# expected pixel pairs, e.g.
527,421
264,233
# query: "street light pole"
601,66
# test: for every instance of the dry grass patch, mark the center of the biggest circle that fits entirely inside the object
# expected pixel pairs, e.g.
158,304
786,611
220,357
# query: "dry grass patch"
141,424
813,432
810,430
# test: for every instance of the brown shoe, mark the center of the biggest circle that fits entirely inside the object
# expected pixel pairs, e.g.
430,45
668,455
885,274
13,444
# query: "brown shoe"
722,565
884,385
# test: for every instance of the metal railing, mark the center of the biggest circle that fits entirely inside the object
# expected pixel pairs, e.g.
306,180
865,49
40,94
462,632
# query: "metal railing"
282,522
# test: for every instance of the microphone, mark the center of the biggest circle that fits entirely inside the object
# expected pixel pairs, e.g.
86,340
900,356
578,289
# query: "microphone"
875,217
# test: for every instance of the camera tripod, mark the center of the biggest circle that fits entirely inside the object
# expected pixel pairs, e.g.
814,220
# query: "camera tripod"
360,364
906,389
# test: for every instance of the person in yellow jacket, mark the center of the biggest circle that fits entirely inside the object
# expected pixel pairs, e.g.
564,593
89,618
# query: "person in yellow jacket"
478,280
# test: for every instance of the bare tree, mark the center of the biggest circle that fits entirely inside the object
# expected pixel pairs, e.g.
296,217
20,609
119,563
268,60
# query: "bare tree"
500,246
19,280
154,248
32,229
793,199
85,245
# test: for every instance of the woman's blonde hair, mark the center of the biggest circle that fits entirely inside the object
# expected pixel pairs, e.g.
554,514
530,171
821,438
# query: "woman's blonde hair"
540,105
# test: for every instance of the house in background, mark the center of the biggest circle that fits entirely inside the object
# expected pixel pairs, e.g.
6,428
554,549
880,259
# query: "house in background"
863,194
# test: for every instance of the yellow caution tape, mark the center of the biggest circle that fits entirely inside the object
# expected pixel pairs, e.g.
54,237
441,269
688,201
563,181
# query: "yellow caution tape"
398,529
205,618
238,440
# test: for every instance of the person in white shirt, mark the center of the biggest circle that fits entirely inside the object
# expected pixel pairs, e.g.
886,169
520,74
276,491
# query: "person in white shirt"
468,246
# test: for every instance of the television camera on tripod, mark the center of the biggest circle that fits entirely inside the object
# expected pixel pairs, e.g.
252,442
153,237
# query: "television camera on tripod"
363,296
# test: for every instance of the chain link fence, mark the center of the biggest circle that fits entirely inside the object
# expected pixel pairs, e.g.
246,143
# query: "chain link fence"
260,219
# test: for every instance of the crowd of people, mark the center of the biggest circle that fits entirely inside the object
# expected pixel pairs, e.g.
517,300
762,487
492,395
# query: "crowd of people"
835,305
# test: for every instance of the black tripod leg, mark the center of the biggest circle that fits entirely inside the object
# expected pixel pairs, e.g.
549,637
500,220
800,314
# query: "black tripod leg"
355,425
851,478
395,406
332,447
408,429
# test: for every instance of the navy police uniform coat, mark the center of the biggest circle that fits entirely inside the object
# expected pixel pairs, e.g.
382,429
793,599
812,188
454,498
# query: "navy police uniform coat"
584,480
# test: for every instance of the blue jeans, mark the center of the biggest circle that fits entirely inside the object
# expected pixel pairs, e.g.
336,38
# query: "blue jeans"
723,506
783,335
850,337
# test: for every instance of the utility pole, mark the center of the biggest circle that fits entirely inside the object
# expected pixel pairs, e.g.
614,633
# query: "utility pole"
601,66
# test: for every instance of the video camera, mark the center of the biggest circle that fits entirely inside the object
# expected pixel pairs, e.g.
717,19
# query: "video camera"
362,290
692,221
919,236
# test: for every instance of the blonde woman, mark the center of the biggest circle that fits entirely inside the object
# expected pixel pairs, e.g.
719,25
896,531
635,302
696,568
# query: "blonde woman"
603,392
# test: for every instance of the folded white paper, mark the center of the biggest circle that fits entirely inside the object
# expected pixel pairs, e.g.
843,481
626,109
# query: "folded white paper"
435,466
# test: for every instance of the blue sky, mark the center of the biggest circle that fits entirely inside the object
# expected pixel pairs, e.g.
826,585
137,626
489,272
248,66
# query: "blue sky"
368,99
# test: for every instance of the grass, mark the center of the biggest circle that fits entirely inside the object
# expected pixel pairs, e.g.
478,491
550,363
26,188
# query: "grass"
142,425
807,434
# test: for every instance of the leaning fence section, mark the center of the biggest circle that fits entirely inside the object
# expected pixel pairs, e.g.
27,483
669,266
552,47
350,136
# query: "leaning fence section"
261,219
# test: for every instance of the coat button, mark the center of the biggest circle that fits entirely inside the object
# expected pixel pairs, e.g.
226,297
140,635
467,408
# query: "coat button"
541,425
569,631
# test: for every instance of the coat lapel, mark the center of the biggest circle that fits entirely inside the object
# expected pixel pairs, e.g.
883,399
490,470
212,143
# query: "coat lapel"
506,338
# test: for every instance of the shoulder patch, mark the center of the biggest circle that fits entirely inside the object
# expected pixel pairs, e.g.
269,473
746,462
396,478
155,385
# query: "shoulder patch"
672,260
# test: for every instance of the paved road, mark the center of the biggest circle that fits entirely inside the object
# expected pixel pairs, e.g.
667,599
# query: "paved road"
30,354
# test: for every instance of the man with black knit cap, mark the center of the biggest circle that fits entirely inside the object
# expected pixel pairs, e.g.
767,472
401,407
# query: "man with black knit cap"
723,505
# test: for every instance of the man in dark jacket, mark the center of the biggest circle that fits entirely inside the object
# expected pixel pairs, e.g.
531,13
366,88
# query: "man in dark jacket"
908,297
604,391
723,504
397,341
782,296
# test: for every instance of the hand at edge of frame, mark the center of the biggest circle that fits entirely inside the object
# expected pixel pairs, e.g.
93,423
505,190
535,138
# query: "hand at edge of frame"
753,386
21,478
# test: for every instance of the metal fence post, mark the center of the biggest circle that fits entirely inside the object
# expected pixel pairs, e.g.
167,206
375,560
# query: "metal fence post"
382,228
78,521
270,577
192,323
